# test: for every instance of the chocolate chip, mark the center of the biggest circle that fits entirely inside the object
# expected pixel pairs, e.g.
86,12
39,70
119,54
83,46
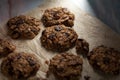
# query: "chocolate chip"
43,32
106,60
10,71
31,62
20,75
80,39
58,28
56,15
51,36
18,56
20,21
15,35
66,34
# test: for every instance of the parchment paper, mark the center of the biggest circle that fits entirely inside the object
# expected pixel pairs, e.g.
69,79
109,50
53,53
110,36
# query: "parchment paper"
86,26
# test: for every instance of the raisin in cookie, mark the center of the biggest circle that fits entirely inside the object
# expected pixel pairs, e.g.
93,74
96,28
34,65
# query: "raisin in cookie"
23,27
56,16
6,47
66,66
17,66
58,38
82,47
105,59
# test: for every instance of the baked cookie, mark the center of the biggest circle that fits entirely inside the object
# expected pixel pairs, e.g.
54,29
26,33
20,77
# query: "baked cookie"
6,47
23,27
82,47
56,16
66,66
17,66
58,38
105,59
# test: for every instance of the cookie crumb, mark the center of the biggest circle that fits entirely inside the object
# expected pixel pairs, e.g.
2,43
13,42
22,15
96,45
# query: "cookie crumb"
87,77
82,47
47,62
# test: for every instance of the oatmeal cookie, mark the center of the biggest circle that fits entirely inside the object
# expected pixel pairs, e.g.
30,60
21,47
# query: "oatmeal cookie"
23,27
17,66
56,16
105,59
82,47
58,38
66,66
6,47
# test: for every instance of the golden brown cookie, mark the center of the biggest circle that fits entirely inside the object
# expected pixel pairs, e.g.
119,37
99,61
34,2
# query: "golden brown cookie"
56,16
105,59
6,47
17,66
66,66
58,38
23,27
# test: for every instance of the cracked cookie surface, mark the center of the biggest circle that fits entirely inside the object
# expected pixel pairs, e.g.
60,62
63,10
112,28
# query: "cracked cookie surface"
56,16
23,27
58,38
105,59
17,66
66,66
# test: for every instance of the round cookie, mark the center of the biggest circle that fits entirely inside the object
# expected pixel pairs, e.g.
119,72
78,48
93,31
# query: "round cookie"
66,66
6,47
82,47
56,16
23,27
17,66
105,59
58,38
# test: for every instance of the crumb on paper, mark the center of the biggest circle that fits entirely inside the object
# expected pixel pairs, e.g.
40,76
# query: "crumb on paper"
87,77
47,62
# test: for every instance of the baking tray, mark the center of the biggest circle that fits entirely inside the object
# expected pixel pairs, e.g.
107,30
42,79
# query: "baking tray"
87,27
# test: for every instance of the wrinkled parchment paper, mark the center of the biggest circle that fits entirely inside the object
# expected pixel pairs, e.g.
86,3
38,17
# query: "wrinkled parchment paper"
86,26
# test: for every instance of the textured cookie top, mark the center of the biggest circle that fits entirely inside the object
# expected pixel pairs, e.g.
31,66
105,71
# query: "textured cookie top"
17,66
66,65
105,59
23,27
58,38
82,47
56,16
6,47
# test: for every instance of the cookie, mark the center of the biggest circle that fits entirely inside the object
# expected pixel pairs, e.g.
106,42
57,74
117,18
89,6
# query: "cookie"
17,66
58,38
23,27
57,16
66,66
82,47
6,47
106,60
